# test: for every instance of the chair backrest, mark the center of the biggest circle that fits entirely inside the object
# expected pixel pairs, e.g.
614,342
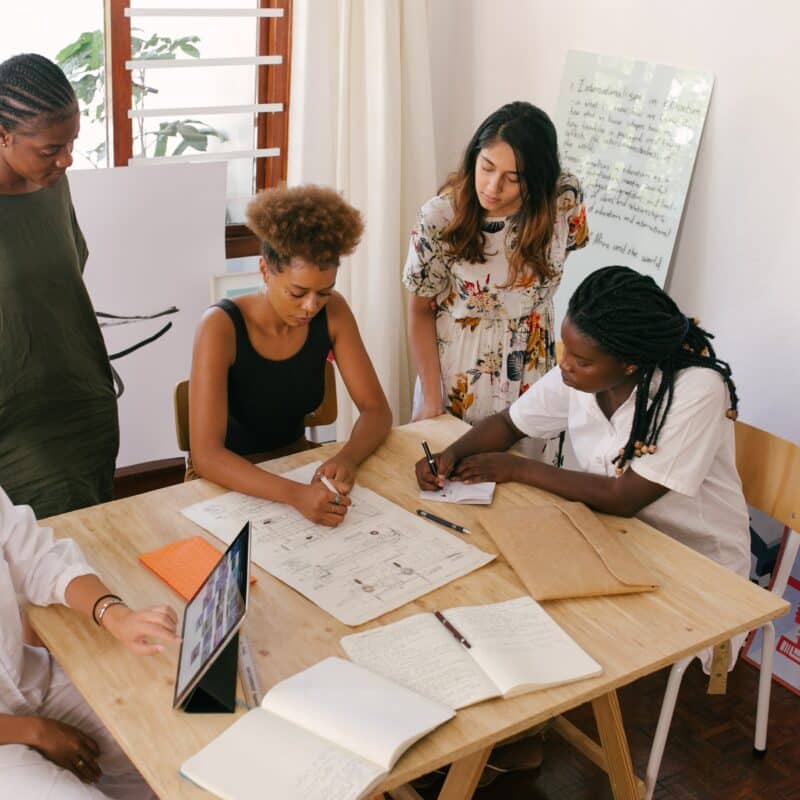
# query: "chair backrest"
324,414
180,401
770,471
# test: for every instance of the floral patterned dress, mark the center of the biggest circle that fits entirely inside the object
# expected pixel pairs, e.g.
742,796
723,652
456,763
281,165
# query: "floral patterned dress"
494,341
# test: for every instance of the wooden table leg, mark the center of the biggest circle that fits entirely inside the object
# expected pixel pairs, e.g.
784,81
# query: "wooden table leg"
463,776
608,716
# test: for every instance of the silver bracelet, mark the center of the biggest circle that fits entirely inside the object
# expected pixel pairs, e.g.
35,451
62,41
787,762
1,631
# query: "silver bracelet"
112,601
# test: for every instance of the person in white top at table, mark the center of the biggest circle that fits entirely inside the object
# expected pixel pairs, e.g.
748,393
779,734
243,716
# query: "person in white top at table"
51,743
648,407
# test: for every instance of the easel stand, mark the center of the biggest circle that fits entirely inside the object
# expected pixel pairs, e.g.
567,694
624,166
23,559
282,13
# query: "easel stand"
216,692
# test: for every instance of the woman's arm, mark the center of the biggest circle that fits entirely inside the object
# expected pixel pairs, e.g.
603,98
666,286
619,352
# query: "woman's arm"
214,352
374,418
425,355
140,631
492,434
479,456
62,744
624,496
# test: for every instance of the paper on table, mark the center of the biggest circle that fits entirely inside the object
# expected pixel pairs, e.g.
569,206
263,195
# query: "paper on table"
475,494
380,558
263,750
184,565
358,709
415,654
518,644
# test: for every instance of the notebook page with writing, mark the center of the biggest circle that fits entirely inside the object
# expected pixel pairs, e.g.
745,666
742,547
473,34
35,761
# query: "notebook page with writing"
262,753
520,646
475,494
356,708
419,653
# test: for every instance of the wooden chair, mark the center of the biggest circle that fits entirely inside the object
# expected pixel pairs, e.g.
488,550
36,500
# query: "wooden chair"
770,471
324,414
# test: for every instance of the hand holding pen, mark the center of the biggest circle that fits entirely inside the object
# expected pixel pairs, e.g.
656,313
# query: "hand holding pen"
433,469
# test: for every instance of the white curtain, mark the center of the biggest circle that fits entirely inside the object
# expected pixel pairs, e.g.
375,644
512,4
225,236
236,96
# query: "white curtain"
361,120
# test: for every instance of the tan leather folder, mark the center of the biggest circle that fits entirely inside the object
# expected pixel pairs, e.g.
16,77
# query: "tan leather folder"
562,550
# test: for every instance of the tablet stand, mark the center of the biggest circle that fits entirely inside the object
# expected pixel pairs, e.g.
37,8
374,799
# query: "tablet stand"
216,691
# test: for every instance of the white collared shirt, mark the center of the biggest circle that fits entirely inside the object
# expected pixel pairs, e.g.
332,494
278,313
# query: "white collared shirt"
695,457
38,568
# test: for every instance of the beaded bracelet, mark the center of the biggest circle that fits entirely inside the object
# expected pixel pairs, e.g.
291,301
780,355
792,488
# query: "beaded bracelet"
100,600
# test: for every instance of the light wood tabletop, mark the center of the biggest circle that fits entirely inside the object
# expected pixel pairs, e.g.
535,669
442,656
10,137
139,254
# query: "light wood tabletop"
698,604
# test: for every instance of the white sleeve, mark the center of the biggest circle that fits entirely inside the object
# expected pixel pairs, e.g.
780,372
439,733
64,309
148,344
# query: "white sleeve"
544,409
41,567
692,434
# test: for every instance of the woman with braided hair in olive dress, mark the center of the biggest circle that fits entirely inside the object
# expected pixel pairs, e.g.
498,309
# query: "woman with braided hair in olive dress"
59,431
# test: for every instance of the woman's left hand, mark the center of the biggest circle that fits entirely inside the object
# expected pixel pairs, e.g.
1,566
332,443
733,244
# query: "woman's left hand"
340,470
142,632
481,467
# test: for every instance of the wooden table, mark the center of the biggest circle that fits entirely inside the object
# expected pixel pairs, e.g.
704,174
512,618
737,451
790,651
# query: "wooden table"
698,604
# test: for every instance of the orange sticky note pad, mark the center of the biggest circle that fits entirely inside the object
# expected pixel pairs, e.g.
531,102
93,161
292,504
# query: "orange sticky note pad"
184,565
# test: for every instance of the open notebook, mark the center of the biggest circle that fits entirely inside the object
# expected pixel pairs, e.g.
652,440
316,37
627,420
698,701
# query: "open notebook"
330,732
473,494
515,647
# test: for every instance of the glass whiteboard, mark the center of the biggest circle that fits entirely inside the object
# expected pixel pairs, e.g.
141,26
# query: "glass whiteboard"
630,131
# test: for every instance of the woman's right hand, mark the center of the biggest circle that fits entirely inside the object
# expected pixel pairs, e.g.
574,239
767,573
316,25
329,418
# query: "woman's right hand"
445,464
316,502
68,747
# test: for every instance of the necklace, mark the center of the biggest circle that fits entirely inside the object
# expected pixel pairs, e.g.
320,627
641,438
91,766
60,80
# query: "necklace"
494,226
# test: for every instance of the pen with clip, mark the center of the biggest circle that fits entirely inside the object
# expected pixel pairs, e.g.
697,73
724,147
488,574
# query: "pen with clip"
446,522
452,628
429,459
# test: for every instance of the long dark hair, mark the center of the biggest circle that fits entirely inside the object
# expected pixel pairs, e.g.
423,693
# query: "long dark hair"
530,133
32,86
634,320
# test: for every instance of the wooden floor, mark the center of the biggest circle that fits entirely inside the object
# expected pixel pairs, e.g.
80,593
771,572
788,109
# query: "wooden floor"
708,754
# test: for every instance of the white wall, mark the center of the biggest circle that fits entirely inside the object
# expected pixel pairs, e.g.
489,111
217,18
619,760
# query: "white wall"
735,263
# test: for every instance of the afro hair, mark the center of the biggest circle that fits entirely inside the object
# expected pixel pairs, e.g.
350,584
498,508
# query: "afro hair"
314,223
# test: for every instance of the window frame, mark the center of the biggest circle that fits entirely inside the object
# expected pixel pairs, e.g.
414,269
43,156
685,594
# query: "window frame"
273,85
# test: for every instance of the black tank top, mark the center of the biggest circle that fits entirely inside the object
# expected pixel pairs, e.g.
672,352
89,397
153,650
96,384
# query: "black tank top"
267,400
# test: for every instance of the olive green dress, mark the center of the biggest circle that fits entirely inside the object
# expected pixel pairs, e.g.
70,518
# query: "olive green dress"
59,431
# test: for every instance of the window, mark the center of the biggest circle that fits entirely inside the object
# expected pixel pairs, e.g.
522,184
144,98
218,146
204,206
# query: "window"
53,30
182,89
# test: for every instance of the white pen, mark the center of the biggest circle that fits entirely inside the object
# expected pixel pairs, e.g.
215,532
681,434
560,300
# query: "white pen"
328,485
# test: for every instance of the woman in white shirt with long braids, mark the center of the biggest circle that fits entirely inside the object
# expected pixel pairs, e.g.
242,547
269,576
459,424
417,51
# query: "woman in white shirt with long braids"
51,743
649,410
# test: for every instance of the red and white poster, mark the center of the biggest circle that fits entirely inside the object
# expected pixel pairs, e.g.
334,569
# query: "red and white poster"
786,662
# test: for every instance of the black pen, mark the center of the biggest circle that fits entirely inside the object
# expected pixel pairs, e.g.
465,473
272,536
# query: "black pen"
452,628
445,522
429,458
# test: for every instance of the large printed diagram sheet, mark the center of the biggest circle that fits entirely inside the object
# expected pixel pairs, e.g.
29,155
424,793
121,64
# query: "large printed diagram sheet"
380,558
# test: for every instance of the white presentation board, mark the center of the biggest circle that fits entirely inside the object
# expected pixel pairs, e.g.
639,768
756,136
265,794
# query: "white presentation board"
630,131
155,236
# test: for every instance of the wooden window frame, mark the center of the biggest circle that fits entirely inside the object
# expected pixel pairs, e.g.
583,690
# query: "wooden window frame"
273,84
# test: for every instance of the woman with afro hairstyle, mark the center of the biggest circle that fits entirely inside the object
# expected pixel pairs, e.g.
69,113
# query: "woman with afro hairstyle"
259,361
59,431
649,410
484,263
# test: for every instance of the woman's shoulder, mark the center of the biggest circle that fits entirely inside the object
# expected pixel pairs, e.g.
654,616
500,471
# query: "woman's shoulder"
218,319
437,212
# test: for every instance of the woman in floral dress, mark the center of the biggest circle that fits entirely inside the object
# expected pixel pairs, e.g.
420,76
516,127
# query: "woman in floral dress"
484,262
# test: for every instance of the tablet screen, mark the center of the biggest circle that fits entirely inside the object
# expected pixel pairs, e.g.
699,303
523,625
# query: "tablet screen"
214,614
